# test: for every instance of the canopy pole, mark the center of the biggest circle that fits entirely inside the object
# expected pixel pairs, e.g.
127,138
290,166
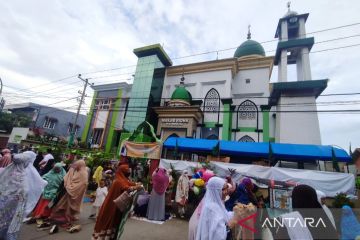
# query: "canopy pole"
347,166
165,153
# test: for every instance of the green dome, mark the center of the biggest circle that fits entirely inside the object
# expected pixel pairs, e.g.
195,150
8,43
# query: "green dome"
181,93
249,47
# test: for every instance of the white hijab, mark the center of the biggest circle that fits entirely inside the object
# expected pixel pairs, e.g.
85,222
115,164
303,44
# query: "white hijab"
34,184
182,188
214,216
321,195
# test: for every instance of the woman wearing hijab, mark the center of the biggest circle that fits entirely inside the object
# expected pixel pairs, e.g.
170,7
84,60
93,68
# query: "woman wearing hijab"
156,207
350,226
75,183
110,216
5,160
321,199
34,184
182,192
305,206
194,221
98,175
214,218
14,195
54,179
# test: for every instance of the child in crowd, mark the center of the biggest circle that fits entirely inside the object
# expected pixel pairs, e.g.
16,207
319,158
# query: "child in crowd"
101,193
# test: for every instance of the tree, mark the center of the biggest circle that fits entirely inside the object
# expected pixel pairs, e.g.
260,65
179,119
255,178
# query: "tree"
10,120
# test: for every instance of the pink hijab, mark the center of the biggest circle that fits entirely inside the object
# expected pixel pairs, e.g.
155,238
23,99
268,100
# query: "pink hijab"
160,181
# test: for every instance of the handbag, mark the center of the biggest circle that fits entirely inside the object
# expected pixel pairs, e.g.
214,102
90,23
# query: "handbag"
124,201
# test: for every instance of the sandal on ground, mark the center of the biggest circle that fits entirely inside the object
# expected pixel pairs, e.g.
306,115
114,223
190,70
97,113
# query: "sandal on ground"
75,228
44,225
39,222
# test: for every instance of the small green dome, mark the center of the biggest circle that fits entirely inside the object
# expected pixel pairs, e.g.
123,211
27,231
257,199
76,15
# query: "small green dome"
181,93
249,47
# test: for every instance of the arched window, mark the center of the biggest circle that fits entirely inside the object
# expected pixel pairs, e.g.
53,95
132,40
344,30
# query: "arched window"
212,106
247,110
246,138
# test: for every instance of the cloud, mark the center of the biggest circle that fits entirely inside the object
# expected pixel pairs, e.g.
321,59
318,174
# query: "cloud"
53,39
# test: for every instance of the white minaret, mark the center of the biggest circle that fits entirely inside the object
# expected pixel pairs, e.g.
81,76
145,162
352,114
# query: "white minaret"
295,48
295,99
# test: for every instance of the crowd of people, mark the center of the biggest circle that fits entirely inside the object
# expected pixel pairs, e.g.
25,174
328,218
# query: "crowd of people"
38,189
35,189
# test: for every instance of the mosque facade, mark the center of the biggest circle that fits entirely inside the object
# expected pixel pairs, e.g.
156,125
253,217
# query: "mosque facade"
228,99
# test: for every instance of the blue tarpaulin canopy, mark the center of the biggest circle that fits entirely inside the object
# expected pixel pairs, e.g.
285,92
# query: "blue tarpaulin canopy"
191,144
244,149
279,151
307,152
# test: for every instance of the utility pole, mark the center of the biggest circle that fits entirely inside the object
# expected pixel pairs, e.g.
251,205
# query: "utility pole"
1,86
86,81
2,101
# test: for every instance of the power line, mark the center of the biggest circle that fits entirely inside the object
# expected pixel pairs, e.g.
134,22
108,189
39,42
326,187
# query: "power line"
197,54
225,49
335,48
234,97
36,93
49,92
323,50
50,82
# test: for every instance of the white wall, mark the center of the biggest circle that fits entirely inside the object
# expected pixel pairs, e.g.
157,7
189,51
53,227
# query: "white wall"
300,128
259,82
257,90
198,84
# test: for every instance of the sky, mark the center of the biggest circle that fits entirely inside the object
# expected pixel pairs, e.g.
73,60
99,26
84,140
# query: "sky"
45,44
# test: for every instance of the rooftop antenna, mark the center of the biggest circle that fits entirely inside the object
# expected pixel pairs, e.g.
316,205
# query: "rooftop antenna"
249,33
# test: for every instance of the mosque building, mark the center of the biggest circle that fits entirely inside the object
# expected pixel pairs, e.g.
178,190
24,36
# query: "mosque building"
227,99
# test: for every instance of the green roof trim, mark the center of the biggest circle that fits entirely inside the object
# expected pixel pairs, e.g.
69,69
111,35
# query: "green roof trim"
155,49
292,43
278,28
298,88
181,93
249,47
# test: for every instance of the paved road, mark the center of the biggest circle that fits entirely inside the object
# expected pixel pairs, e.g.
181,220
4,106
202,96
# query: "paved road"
173,229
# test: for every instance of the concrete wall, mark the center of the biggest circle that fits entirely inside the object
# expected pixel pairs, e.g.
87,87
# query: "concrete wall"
253,85
297,127
64,119
105,122
198,84
237,88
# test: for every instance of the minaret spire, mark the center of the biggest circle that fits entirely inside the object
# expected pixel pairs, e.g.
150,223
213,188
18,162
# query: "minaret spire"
182,79
288,6
249,33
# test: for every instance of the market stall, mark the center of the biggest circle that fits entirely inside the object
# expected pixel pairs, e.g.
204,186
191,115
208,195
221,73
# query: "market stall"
331,183
140,148
254,152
